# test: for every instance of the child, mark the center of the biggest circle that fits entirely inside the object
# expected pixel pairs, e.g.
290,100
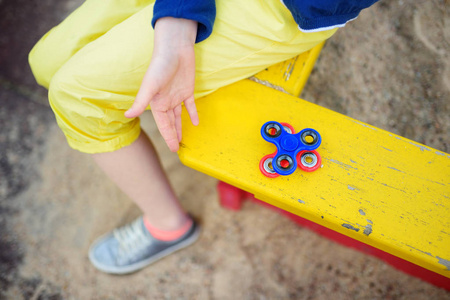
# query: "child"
104,65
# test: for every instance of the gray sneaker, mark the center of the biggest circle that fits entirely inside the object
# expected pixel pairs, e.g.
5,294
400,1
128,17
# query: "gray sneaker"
130,248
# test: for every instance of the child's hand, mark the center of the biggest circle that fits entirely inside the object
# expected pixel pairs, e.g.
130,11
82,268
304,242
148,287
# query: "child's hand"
169,80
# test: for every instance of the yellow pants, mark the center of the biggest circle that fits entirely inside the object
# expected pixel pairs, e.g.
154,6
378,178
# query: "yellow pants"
94,61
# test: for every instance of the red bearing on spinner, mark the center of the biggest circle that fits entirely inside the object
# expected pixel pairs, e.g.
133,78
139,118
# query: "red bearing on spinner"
265,165
309,160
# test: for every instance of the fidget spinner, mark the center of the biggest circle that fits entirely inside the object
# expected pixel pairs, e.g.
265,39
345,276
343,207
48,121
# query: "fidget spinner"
293,149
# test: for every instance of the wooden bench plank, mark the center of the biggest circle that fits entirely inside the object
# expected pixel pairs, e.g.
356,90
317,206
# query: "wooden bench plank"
374,186
290,76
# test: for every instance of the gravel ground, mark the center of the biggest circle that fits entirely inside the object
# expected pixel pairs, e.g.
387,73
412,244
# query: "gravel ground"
390,68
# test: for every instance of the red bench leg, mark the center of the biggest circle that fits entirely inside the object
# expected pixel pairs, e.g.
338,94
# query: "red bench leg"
230,197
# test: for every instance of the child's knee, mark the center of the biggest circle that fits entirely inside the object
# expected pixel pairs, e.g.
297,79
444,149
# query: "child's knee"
78,120
87,115
61,96
69,102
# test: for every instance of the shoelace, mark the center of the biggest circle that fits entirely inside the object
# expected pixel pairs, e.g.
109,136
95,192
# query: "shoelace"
132,240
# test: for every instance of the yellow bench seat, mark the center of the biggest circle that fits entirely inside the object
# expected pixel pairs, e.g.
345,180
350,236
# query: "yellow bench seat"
370,178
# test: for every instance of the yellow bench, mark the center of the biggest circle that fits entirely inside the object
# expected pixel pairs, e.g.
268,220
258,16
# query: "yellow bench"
374,186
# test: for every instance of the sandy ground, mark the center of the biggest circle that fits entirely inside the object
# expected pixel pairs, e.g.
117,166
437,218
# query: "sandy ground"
389,68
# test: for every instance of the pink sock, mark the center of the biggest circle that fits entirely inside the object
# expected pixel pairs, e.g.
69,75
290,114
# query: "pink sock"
167,235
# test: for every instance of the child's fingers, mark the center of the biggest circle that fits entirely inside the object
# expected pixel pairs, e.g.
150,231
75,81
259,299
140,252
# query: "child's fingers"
136,110
140,104
148,89
192,110
165,121
177,114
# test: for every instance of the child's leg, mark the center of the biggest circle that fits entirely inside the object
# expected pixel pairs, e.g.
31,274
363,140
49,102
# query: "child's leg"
137,171
93,89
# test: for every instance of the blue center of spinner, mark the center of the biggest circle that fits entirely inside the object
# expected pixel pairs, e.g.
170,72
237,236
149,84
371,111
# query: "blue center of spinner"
289,142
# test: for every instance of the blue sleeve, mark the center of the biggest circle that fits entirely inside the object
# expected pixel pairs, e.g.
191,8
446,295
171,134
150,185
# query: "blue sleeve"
316,15
202,11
